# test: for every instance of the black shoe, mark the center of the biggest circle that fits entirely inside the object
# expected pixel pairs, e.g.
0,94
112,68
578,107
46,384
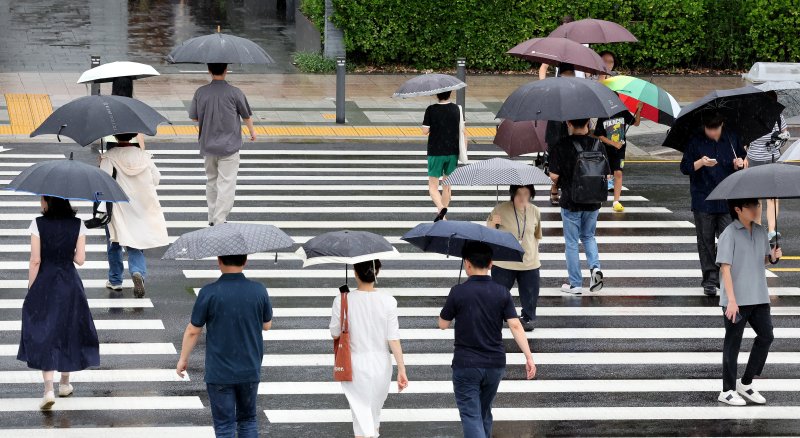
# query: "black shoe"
527,324
710,291
441,215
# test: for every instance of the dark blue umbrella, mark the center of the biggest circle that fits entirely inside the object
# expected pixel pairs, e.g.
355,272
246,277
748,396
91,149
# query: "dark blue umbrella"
449,237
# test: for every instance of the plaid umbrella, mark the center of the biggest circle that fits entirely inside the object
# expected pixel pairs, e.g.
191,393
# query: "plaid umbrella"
228,239
788,95
659,106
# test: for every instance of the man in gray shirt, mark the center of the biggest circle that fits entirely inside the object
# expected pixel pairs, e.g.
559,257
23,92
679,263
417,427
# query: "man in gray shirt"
218,109
743,251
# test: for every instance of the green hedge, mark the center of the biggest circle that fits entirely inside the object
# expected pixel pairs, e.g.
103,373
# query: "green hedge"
673,33
315,11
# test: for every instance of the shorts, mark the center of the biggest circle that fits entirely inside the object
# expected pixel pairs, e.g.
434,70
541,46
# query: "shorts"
441,165
616,158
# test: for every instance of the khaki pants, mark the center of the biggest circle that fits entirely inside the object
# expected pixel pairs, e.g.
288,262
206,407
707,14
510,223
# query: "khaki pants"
221,186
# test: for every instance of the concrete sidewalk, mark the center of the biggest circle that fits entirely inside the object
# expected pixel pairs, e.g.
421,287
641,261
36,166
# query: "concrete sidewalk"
301,106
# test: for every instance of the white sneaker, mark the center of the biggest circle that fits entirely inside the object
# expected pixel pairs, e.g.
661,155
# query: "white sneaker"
731,398
571,290
113,286
48,401
596,280
749,393
65,390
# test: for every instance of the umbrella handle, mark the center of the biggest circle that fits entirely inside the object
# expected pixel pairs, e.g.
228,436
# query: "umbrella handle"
459,271
58,134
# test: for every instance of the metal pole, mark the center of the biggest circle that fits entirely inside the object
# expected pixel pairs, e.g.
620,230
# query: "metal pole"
340,73
95,87
461,73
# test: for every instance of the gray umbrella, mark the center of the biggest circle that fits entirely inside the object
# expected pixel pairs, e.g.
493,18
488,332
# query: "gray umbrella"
68,179
348,247
228,239
219,48
428,85
560,99
791,154
788,95
497,172
89,118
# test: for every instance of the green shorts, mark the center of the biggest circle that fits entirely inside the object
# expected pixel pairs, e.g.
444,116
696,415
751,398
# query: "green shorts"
441,165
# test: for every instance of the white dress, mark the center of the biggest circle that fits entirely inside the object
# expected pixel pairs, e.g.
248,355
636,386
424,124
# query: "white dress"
373,322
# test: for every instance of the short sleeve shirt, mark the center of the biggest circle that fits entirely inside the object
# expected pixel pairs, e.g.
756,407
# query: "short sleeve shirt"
744,251
219,108
233,309
526,226
563,158
444,121
33,229
479,307
614,128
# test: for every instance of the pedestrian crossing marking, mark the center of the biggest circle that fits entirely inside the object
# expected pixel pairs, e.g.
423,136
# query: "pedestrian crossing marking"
139,348
102,324
104,403
97,376
116,432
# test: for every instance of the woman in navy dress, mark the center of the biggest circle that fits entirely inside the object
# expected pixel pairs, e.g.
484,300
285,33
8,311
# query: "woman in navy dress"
58,332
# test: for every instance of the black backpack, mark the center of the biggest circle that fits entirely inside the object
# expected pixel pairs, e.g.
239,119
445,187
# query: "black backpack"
590,176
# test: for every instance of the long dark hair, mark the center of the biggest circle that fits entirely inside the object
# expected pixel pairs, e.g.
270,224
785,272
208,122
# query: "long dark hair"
122,86
58,208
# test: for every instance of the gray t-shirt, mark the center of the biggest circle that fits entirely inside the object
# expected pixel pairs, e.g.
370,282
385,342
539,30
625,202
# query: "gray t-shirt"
218,107
745,252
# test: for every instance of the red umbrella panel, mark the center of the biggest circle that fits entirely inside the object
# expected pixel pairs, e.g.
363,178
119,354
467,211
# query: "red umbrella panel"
519,138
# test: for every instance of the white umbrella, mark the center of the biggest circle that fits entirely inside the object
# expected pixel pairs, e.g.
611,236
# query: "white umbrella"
107,72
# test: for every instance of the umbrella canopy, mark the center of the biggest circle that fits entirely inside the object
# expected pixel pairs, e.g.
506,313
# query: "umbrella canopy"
449,237
555,51
560,99
594,31
747,110
348,247
229,238
659,106
107,72
428,85
219,48
497,171
68,179
788,95
774,180
89,118
791,154
519,138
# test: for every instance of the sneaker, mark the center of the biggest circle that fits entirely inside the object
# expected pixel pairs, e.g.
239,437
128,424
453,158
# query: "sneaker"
596,280
749,393
65,390
138,285
48,401
710,291
618,207
113,286
571,290
527,324
731,398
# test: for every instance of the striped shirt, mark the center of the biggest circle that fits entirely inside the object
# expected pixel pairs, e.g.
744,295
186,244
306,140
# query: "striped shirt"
761,148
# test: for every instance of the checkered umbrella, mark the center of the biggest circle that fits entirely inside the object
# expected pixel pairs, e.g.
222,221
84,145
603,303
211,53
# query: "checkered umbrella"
228,239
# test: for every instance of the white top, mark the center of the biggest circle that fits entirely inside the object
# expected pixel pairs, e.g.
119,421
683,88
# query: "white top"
34,229
373,321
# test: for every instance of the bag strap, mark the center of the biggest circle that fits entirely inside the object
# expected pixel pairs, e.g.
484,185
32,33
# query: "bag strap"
343,317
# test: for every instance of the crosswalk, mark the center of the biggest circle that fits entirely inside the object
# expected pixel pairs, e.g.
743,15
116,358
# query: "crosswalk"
645,348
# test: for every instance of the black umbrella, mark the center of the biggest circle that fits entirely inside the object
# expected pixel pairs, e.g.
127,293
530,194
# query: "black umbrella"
89,118
348,247
747,110
775,181
228,239
68,179
560,99
219,48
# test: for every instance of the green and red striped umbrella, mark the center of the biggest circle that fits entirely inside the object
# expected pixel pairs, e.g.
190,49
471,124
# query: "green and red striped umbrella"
659,106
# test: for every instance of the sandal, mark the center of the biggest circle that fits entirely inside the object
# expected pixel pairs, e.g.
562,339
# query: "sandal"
441,215
554,198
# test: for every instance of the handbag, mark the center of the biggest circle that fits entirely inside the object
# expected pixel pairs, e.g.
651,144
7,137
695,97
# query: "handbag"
99,218
342,366
462,142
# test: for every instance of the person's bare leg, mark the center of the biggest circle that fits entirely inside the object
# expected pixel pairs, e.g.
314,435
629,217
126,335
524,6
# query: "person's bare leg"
47,376
64,379
433,190
617,185
447,195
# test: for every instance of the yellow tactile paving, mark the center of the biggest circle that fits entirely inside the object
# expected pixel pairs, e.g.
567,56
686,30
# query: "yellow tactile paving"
329,116
27,111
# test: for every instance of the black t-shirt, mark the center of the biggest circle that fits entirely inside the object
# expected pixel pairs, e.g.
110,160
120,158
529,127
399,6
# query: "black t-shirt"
554,132
444,121
563,158
614,128
479,307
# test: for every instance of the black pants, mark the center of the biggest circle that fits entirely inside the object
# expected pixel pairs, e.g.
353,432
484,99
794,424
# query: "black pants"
708,227
760,320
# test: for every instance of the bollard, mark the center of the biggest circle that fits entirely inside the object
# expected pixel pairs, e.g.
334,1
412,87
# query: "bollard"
461,73
340,72
95,87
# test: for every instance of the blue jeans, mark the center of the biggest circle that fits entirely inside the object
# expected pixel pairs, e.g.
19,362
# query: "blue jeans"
136,261
233,408
475,389
527,283
580,225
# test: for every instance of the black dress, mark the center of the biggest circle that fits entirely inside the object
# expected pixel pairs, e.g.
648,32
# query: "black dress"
58,332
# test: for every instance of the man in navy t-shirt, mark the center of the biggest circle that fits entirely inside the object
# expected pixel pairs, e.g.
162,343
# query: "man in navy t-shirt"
235,311
479,307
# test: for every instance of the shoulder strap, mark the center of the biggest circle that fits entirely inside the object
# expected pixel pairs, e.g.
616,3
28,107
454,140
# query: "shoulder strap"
343,317
577,145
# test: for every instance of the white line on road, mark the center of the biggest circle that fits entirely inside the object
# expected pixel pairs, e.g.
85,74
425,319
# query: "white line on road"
544,292
325,312
94,303
97,376
138,348
103,403
116,432
102,324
